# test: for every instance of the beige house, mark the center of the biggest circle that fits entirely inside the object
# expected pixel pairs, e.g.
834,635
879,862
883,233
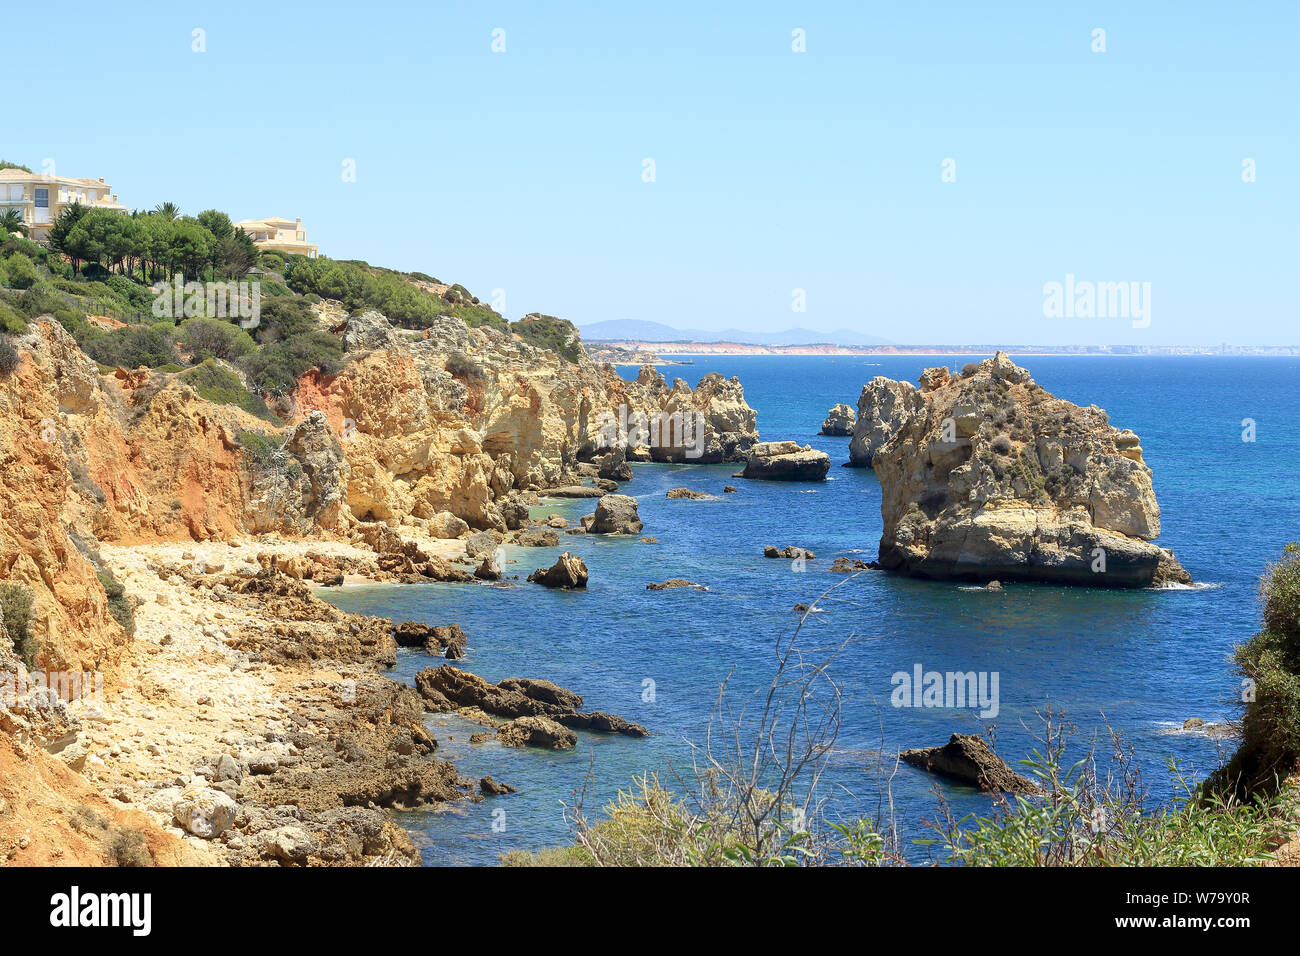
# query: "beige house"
280,235
40,198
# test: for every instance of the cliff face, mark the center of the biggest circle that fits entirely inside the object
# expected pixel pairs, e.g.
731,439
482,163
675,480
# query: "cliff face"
987,476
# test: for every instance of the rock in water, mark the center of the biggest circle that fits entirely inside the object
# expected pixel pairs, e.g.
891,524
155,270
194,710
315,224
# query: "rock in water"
968,759
992,478
539,537
488,569
537,732
491,788
883,406
568,571
616,514
672,584
839,420
687,493
786,461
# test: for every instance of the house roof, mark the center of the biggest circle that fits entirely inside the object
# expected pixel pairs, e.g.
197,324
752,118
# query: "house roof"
22,176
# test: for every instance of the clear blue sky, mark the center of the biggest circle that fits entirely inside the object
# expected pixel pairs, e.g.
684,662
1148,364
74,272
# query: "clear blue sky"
775,170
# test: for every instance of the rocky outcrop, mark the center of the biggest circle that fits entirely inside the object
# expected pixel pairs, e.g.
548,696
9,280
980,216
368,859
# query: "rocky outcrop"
448,688
883,406
615,514
672,584
568,571
688,494
991,477
839,420
967,759
786,461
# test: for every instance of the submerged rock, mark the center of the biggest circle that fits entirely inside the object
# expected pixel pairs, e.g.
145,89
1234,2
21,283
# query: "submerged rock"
671,584
991,477
786,461
687,493
967,758
839,420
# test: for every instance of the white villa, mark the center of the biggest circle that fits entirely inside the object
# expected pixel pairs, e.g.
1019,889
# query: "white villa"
280,235
39,198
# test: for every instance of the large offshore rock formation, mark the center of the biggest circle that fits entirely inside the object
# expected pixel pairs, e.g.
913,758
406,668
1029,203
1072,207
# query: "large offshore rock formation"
987,476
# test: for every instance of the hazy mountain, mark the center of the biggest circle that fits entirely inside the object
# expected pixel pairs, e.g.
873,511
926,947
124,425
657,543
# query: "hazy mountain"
640,331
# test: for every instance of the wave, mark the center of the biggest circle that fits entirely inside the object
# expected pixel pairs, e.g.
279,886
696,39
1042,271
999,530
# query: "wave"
1196,586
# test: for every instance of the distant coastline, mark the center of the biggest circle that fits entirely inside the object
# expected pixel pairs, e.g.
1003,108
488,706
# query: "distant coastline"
666,349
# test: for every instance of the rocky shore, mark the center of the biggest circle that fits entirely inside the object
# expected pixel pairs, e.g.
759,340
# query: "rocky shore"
171,546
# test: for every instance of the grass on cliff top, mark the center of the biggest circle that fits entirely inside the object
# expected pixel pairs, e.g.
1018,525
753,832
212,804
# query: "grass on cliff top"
223,387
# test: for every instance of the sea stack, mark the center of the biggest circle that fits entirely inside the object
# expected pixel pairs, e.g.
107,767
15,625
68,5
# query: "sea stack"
985,475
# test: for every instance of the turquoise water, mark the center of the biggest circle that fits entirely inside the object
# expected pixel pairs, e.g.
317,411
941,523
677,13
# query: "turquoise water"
1142,660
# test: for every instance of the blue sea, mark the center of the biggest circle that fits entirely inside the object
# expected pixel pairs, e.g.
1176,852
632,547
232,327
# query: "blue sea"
1139,661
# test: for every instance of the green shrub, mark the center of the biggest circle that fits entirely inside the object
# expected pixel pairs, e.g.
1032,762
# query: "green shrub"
119,605
222,386
548,332
16,610
133,346
11,321
213,338
18,272
1269,664
129,848
9,358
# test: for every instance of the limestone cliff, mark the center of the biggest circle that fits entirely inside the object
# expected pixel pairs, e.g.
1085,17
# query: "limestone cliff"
987,476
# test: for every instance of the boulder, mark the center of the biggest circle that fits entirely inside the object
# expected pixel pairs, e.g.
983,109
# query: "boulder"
786,461
446,525
967,759
488,569
839,420
204,811
434,639
614,467
568,571
616,514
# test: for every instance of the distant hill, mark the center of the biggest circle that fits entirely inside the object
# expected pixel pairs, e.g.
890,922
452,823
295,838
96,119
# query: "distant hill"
640,331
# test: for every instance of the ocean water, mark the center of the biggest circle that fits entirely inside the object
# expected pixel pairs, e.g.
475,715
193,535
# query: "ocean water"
1139,661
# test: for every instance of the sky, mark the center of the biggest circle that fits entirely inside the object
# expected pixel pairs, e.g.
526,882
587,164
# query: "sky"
920,171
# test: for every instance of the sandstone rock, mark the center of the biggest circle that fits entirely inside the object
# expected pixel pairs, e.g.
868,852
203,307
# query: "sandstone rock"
614,466
968,759
839,420
671,584
488,569
730,490
434,639
446,525
883,406
568,571
205,812
292,844
786,461
846,565
616,514
990,477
